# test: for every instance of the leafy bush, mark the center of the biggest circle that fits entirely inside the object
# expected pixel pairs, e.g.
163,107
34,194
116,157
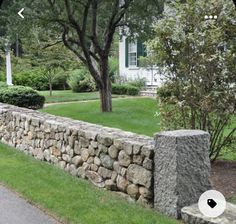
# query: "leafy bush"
60,81
36,79
81,81
166,91
139,83
31,78
124,89
22,96
3,85
199,62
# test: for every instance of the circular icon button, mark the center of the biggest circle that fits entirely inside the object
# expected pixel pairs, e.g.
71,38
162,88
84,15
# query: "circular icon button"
212,203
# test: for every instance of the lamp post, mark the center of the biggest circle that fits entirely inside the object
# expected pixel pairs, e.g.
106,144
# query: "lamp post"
8,64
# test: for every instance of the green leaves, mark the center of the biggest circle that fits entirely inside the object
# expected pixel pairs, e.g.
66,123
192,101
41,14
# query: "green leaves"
197,58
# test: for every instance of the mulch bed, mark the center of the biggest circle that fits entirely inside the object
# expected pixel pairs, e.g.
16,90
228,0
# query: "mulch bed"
223,177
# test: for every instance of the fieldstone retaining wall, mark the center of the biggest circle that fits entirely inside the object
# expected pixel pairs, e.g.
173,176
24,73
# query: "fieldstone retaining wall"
108,157
114,159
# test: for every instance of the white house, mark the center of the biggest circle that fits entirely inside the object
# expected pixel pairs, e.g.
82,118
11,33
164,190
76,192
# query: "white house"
129,65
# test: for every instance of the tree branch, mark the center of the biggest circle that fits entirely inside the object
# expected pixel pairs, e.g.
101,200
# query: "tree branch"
94,37
53,44
66,43
86,10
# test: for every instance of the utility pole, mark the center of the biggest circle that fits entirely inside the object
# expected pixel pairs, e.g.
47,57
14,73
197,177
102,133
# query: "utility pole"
8,64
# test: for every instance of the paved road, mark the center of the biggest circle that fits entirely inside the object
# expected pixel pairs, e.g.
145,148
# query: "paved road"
15,210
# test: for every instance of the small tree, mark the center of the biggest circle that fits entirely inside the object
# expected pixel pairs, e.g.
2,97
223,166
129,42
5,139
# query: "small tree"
198,59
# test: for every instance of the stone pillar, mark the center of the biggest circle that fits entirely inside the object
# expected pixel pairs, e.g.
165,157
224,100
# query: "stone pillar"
181,169
8,66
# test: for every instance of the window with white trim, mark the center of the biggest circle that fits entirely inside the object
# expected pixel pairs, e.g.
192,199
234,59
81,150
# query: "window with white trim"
132,54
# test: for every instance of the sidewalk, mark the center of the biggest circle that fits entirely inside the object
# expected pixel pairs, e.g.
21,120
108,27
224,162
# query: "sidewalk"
14,209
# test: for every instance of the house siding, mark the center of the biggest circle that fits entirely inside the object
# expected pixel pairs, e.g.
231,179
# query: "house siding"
130,73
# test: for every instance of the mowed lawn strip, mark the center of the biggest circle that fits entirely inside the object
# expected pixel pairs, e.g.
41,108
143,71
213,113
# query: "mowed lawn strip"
68,95
135,115
71,199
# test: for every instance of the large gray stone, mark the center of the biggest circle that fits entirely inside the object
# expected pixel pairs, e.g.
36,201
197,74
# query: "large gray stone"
192,215
106,160
138,175
181,170
124,159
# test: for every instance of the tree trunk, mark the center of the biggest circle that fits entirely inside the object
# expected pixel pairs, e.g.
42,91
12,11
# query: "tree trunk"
105,88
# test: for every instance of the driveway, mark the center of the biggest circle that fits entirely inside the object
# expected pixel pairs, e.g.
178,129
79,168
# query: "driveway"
14,209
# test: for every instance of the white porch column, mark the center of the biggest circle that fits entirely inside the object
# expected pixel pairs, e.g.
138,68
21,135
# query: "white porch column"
8,65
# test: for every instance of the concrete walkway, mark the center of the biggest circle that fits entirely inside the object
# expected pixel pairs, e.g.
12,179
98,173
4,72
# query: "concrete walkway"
14,209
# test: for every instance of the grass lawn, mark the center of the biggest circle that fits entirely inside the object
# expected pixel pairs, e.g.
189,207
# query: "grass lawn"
136,115
68,95
69,198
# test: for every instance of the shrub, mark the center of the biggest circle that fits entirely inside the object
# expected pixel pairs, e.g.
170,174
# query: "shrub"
124,89
31,78
3,85
22,96
199,62
36,79
139,83
167,90
81,81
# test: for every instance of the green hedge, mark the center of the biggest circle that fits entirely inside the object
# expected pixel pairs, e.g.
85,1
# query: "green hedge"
32,78
125,89
3,85
22,96
80,80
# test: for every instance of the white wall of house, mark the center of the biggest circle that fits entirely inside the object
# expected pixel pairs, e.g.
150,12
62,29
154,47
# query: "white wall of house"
132,72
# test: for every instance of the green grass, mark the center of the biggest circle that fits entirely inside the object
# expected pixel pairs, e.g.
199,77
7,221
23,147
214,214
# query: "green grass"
135,115
68,95
69,198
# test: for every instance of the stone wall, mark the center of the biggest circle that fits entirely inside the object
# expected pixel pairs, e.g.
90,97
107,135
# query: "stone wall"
170,174
108,157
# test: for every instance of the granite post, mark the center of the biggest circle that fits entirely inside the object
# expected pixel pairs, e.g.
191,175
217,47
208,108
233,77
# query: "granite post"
181,169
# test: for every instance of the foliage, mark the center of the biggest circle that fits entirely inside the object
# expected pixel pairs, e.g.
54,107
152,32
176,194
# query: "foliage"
139,83
60,81
3,85
198,59
166,90
113,68
31,78
125,89
80,81
22,96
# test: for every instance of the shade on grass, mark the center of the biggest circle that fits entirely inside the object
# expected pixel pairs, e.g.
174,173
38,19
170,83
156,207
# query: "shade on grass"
135,115
69,198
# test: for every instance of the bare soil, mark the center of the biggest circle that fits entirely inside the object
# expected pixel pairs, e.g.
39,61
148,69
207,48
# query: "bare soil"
223,177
